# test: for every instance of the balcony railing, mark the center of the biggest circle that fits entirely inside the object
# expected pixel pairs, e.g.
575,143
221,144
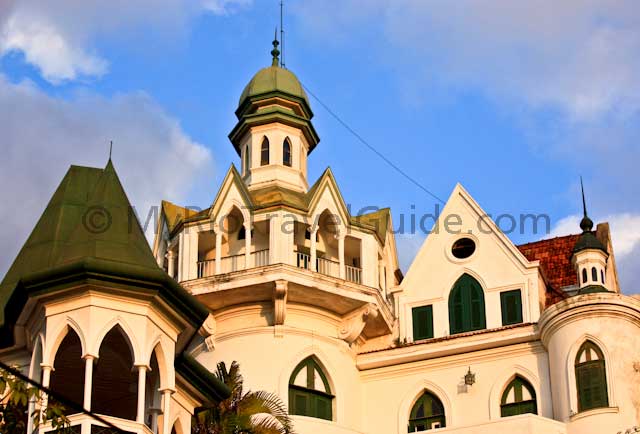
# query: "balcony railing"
229,264
353,274
329,267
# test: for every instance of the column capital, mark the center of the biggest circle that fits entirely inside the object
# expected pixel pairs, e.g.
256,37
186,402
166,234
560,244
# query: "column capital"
142,366
89,356
167,390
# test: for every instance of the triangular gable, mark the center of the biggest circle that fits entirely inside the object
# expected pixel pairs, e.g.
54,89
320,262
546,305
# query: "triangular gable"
234,188
317,197
494,250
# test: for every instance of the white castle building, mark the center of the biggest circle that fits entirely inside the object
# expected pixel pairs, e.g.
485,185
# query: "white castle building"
480,335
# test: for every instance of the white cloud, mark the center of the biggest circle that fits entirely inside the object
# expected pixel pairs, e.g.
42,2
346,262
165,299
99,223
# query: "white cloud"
42,136
57,36
625,237
580,57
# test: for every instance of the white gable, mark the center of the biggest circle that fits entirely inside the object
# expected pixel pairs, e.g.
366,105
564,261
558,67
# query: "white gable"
496,264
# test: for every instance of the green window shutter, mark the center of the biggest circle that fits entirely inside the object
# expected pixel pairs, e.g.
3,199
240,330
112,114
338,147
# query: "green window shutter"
511,303
422,322
592,385
466,306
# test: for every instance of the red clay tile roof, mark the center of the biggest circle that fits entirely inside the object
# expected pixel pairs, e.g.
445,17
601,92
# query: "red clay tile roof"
554,255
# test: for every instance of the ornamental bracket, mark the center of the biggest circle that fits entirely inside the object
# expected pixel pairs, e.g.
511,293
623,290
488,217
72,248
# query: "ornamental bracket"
353,324
208,332
280,291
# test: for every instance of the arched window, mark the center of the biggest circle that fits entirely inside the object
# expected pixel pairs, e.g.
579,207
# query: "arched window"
518,398
286,152
115,382
591,377
264,152
466,306
584,275
309,391
246,160
67,378
594,274
427,413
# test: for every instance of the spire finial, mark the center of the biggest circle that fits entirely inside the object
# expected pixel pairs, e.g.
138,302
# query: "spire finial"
275,52
110,149
586,224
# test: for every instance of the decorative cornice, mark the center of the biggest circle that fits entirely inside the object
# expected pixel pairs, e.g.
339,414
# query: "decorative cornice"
587,306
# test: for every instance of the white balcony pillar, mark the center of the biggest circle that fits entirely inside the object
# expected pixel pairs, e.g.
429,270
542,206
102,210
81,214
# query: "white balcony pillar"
142,384
312,266
171,262
166,411
247,245
88,380
341,255
218,231
181,255
46,379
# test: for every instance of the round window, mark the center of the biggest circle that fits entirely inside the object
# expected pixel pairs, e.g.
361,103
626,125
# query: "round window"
463,248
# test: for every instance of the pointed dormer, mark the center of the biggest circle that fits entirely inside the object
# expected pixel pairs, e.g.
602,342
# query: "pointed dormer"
589,256
274,134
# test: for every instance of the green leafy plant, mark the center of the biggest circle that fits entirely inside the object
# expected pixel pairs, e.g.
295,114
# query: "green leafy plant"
15,395
243,412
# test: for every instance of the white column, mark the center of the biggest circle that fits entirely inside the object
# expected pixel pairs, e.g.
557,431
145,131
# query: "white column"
312,266
343,271
218,249
142,378
275,233
166,411
88,380
171,269
46,378
247,246
180,256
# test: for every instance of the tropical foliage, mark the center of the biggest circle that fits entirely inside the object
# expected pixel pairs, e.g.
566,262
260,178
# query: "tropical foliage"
243,412
15,395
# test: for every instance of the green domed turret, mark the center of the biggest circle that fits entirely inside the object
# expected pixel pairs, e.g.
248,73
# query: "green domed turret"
273,79
274,95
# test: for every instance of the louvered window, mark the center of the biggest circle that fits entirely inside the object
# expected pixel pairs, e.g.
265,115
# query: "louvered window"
286,152
427,413
422,322
466,306
591,377
519,397
309,391
511,303
264,152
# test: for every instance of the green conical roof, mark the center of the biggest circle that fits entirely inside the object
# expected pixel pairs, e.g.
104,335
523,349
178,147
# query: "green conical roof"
89,226
274,79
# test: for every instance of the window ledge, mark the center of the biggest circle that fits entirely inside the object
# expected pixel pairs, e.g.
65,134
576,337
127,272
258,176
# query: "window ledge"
593,412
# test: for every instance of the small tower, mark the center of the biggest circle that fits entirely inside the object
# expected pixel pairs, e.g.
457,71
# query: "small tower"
589,256
274,133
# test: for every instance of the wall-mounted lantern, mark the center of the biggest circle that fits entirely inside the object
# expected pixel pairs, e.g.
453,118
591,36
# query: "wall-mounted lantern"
469,378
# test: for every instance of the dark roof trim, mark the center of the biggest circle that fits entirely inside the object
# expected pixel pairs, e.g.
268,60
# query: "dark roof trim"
201,379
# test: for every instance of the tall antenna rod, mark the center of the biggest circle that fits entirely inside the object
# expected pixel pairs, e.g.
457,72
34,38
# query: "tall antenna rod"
282,64
110,149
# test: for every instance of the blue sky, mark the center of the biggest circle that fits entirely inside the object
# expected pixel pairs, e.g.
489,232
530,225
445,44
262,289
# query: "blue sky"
514,101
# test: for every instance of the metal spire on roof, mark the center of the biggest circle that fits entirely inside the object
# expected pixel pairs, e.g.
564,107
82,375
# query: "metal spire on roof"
110,149
586,224
282,34
275,52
